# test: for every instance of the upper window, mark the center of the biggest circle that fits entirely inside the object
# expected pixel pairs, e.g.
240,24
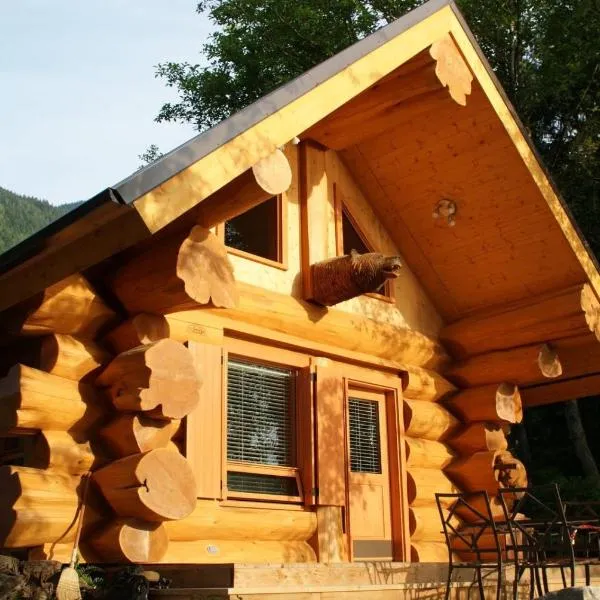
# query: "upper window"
258,232
261,426
348,238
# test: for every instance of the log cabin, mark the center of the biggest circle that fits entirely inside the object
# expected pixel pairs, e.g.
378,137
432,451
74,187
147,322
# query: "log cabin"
270,348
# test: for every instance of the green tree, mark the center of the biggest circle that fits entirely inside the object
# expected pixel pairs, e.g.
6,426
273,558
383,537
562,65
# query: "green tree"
545,53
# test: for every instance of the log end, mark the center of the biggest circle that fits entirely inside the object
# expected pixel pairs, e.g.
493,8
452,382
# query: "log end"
509,406
273,173
549,363
205,269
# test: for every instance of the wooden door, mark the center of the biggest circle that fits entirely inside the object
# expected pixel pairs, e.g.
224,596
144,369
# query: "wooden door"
369,506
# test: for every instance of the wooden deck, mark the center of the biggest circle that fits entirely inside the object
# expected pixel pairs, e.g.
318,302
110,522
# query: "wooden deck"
369,580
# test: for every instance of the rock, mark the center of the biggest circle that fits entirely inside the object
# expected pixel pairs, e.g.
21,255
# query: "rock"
574,593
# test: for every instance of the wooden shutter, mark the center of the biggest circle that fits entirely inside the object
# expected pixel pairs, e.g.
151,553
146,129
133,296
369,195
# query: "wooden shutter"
331,435
204,443
306,434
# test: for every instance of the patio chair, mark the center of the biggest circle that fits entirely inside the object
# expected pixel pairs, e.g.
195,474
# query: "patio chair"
477,540
539,533
584,525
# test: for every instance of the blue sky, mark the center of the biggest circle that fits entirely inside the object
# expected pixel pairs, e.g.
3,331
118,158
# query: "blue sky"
78,94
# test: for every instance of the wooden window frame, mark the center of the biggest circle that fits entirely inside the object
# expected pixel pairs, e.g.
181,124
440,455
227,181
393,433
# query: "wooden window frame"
273,357
282,254
396,459
341,209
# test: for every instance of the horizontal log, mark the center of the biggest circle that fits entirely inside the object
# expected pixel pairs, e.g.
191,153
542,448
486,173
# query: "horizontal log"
487,471
32,399
62,553
209,520
267,178
425,552
521,366
137,331
159,377
564,358
58,354
486,543
334,327
70,306
156,486
421,384
59,451
425,524
481,436
133,434
428,420
568,312
130,540
560,391
228,551
423,484
427,453
36,507
477,504
182,271
488,403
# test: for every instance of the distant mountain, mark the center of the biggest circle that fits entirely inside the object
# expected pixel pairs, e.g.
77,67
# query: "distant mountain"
20,216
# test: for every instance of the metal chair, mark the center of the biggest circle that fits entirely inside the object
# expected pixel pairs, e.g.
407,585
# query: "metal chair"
539,534
477,541
584,526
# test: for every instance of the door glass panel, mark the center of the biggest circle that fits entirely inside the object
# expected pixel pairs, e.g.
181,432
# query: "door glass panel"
365,446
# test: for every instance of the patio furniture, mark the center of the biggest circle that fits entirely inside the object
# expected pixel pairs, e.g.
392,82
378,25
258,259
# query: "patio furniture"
584,524
539,533
477,541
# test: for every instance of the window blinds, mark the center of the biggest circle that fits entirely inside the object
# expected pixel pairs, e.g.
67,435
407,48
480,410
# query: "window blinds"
365,447
260,413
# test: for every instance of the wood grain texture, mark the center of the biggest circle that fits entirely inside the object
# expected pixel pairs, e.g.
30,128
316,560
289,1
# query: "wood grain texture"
488,403
159,378
559,391
479,436
130,434
138,330
427,454
421,384
433,552
63,452
331,541
451,69
424,483
330,443
32,399
209,520
428,420
565,313
70,306
181,271
204,425
130,540
36,507
155,486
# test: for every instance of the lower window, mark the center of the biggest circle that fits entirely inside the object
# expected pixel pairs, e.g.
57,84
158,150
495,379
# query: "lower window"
261,431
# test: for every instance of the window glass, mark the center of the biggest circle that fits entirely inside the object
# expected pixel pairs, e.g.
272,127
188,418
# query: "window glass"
351,237
365,446
256,231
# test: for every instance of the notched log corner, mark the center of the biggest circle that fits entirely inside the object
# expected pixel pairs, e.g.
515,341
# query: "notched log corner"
451,69
345,277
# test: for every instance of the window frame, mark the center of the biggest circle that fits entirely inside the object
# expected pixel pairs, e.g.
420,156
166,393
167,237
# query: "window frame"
342,209
281,242
275,357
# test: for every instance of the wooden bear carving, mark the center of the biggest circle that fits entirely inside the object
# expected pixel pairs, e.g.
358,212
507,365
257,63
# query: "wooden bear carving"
344,277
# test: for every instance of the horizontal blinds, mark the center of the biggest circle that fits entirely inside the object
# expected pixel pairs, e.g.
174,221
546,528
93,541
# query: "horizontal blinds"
261,484
260,413
365,446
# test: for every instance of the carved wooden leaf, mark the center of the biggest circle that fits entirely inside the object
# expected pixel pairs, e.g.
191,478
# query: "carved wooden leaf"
451,69
204,268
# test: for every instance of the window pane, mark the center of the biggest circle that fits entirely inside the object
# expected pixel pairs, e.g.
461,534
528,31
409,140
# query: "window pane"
256,231
365,451
262,484
260,414
351,237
